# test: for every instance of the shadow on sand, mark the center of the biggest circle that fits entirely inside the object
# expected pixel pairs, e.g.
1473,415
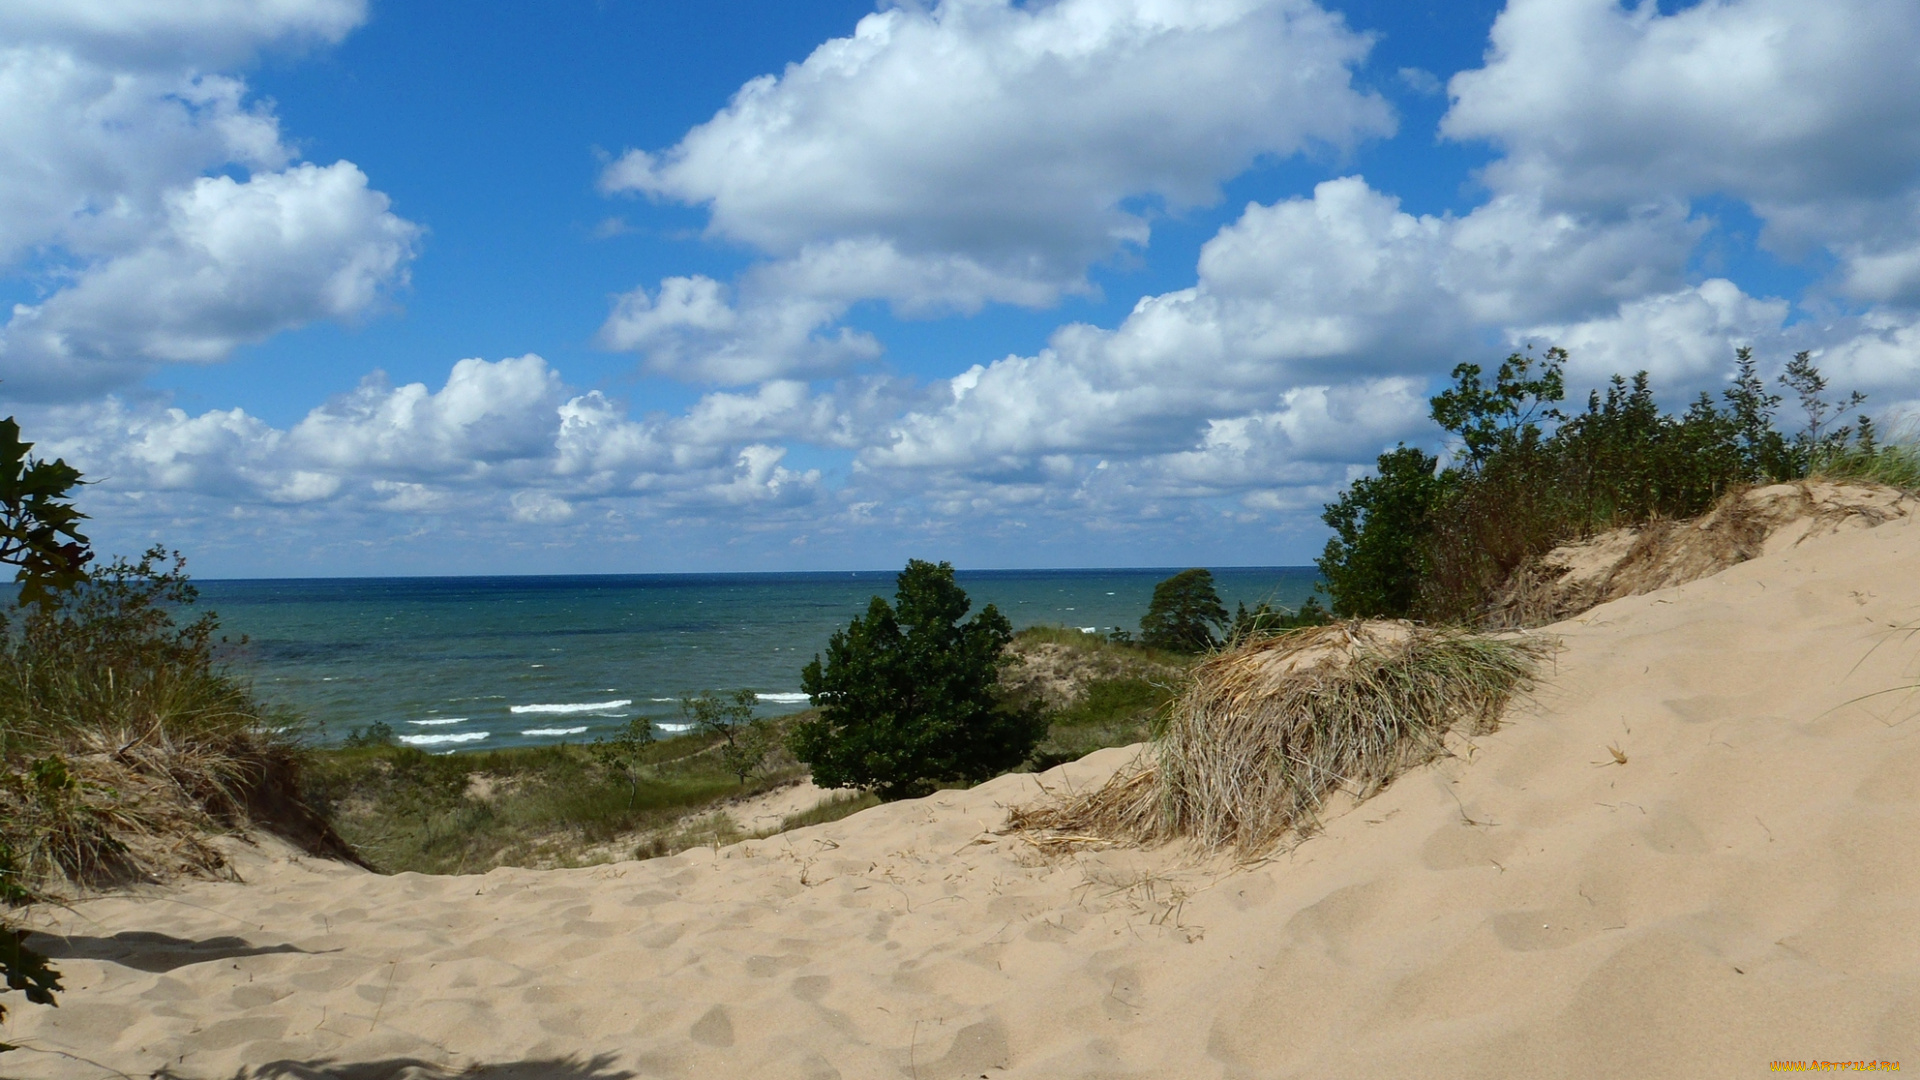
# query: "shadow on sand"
154,953
599,1067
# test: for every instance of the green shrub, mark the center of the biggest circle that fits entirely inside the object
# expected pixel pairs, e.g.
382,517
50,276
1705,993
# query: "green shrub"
1436,544
908,695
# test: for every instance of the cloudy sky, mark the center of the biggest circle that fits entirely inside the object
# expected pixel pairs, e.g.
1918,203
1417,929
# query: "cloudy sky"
476,286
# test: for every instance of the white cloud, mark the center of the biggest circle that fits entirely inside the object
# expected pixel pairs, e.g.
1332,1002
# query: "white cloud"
1809,112
501,438
974,152
1329,291
157,211
1683,339
229,263
169,31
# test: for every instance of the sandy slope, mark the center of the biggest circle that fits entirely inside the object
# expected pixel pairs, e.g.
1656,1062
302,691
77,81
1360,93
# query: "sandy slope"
1745,888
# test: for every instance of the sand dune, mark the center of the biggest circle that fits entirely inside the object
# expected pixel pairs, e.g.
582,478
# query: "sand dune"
1744,889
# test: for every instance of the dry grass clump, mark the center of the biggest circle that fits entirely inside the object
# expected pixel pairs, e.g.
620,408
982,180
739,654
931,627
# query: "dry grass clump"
1267,731
1663,553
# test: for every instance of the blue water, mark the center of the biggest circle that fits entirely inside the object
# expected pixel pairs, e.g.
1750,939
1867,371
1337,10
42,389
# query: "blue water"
482,663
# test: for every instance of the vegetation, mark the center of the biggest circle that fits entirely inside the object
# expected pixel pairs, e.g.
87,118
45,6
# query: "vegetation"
1264,619
907,695
1265,732
1091,691
39,525
1183,614
562,805
39,536
745,741
1435,544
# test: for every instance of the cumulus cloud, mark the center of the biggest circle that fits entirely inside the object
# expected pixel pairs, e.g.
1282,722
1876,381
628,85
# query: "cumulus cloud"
1328,291
977,151
159,213
502,437
1809,112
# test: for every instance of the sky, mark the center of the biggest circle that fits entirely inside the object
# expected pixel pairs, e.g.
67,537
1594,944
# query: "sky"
357,287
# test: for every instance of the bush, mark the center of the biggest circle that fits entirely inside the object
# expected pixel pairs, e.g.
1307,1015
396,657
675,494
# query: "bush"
1184,611
744,741
1436,545
908,695
1378,555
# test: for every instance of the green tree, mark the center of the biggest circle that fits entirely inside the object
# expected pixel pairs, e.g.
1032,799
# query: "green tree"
39,535
624,753
1377,557
1506,416
1183,613
745,741
38,524
908,694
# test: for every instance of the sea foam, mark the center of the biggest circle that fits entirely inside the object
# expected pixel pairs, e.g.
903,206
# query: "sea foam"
554,731
785,699
435,722
572,707
675,728
436,740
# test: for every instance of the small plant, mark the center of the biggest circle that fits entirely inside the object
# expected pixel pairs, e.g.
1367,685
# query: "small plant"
908,694
1263,619
378,733
625,754
745,741
1184,613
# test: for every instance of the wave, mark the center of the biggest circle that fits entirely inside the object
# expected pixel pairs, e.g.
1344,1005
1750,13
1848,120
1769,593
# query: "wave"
436,740
554,731
675,728
573,707
785,699
663,699
432,723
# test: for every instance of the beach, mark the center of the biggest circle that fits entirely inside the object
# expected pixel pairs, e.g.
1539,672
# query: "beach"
1687,852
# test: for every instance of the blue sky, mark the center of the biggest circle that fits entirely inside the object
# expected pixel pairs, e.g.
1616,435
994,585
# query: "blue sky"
345,287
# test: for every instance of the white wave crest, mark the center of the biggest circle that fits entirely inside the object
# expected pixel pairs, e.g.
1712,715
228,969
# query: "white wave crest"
554,731
436,740
784,699
436,722
675,728
572,707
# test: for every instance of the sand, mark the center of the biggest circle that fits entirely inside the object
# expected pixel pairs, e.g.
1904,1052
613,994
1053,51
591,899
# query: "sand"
1745,888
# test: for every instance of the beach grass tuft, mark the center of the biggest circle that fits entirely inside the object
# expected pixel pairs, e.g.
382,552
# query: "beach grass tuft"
1266,732
125,746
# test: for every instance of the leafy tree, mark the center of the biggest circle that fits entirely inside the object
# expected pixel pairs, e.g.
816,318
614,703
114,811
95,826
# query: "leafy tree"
1506,417
908,694
38,525
624,753
1183,614
38,534
745,741
1763,453
1377,557
1820,442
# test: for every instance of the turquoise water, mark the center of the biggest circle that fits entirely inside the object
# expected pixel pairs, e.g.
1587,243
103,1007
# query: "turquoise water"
482,663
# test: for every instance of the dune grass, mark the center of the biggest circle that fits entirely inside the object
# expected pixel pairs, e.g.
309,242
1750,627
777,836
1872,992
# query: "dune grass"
1895,463
124,745
536,806
1095,692
1267,731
